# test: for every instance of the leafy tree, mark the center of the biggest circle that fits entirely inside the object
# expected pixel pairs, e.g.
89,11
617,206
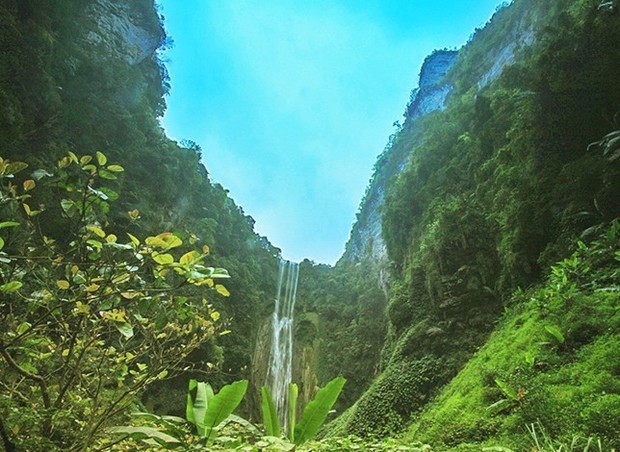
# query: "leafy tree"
88,322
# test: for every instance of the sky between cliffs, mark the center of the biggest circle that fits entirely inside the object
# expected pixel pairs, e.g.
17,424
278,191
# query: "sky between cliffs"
293,100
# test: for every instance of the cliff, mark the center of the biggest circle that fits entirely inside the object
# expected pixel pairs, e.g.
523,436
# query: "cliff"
366,235
484,187
119,29
85,76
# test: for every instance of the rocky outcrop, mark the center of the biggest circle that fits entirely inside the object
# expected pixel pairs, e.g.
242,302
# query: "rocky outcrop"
503,56
122,31
432,90
366,239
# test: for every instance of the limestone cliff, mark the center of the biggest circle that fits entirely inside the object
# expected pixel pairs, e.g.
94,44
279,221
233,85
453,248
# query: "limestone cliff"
434,87
366,239
119,29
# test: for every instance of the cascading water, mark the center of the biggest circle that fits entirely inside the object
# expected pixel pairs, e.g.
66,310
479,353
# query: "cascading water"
279,374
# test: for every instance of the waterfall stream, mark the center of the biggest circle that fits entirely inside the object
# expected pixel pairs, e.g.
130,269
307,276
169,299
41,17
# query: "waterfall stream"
280,370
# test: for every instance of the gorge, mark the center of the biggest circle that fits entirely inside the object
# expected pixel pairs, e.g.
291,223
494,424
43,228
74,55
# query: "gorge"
476,302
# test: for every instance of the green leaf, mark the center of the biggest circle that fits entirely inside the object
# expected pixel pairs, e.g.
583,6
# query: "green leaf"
15,167
270,416
220,273
147,433
11,286
115,168
101,158
105,174
316,411
222,290
1,243
67,206
222,405
508,390
8,224
124,328
555,332
501,405
198,396
293,391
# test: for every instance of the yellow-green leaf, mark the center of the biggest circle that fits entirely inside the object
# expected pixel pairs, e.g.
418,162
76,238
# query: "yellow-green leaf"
165,240
85,160
222,290
205,249
73,157
122,278
15,167
29,184
188,258
11,286
215,315
96,230
101,158
163,259
92,288
1,243
111,238
64,162
116,168
62,284
134,239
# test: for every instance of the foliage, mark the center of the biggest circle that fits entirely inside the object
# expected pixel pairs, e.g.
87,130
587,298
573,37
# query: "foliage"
495,188
521,377
61,90
210,414
207,413
90,321
348,324
270,415
313,416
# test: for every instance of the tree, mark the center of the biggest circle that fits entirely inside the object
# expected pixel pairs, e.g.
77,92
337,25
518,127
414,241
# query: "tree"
88,321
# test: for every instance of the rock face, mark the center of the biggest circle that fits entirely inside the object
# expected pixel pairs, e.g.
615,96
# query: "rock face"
366,235
505,55
433,90
122,31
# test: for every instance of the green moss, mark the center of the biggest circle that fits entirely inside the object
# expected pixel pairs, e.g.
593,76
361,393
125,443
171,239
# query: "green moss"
570,386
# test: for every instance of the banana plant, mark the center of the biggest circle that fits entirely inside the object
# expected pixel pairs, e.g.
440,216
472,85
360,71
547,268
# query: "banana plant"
313,416
206,411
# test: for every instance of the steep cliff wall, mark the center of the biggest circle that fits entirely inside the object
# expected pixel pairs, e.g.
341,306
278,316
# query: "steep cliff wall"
85,76
366,237
119,29
479,196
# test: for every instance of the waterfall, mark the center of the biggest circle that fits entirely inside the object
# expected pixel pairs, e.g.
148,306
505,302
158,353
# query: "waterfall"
279,374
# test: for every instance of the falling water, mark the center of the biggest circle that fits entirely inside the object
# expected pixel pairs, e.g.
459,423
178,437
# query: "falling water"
280,370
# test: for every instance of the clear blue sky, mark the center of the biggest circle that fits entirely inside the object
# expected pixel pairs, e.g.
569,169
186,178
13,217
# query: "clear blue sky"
292,100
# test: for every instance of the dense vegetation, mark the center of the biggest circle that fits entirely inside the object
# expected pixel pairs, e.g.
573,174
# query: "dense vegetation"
493,321
499,186
61,92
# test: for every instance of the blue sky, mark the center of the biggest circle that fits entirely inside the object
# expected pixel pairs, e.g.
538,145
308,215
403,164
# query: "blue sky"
292,100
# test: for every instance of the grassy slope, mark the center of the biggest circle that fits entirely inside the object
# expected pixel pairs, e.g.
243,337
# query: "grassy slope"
570,383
